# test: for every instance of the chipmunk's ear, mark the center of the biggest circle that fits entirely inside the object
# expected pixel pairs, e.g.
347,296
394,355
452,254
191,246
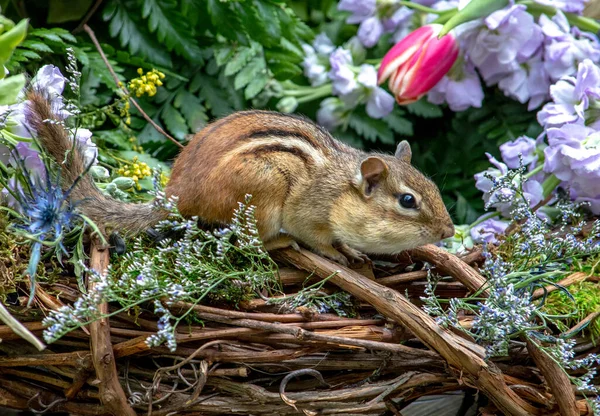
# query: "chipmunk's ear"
403,151
373,170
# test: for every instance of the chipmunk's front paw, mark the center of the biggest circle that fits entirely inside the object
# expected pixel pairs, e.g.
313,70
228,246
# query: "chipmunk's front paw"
332,254
281,241
353,255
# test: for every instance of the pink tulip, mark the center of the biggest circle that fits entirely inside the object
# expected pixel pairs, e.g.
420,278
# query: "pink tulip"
418,62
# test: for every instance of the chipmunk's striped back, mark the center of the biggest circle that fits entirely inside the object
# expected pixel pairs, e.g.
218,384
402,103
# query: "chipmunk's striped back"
251,152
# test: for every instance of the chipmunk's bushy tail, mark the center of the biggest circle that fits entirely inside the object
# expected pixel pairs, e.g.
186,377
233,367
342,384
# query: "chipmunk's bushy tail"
106,212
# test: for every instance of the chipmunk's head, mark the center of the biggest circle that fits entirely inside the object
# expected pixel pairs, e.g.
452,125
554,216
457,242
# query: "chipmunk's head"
393,206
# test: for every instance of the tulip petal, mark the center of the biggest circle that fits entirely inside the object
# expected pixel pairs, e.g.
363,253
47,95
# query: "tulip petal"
403,50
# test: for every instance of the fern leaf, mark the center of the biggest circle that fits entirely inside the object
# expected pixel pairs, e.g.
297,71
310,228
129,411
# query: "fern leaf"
125,25
171,28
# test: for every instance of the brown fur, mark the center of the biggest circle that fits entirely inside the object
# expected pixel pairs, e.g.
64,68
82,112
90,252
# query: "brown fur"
303,183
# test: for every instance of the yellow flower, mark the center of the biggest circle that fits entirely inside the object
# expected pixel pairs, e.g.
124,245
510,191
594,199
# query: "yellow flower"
146,83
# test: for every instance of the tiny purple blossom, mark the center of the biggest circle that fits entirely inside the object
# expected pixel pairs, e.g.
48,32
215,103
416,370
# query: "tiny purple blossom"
487,230
461,89
510,37
572,97
379,102
566,47
330,113
369,31
343,78
360,9
522,145
573,156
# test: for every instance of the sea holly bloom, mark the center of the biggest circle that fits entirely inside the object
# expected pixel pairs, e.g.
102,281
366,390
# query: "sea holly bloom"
417,63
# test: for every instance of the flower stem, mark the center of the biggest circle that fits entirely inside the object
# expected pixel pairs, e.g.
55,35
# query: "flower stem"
535,171
583,23
421,8
549,185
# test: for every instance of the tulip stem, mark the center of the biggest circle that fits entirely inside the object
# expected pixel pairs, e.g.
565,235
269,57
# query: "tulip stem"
421,8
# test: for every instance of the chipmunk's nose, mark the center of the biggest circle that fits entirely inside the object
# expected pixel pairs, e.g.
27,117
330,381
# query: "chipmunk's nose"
448,231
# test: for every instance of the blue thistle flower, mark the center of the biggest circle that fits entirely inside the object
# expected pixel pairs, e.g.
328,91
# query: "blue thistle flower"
44,214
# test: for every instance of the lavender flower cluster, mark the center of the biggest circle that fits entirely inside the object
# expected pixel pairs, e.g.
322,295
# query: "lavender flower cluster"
225,264
352,85
566,154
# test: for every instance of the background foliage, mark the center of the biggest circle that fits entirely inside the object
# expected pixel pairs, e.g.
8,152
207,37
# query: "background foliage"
219,57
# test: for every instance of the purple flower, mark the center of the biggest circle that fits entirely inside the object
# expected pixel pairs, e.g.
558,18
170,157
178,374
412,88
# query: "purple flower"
572,97
50,79
344,79
486,231
573,156
509,38
571,6
460,88
323,45
564,47
330,114
379,102
369,31
522,145
316,57
532,189
84,137
529,82
360,9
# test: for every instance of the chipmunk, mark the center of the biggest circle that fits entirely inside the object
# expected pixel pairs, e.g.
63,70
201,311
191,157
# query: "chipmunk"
306,186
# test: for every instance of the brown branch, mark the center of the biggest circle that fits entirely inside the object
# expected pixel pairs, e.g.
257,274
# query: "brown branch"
90,32
111,392
465,357
87,17
451,265
556,378
303,334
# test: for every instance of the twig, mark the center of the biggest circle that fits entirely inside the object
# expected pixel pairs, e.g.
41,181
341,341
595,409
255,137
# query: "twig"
111,392
452,265
557,380
87,17
465,357
90,32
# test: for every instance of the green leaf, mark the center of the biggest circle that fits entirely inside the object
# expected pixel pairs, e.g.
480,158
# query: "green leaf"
175,122
61,11
284,70
370,128
240,59
36,46
261,22
216,98
249,72
256,86
116,137
222,53
226,20
171,28
425,109
399,124
125,25
10,87
10,40
193,111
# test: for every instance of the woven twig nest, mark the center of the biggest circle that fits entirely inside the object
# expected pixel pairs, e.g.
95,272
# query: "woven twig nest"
262,360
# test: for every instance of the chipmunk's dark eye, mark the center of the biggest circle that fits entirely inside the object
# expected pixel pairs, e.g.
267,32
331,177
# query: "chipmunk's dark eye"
408,201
